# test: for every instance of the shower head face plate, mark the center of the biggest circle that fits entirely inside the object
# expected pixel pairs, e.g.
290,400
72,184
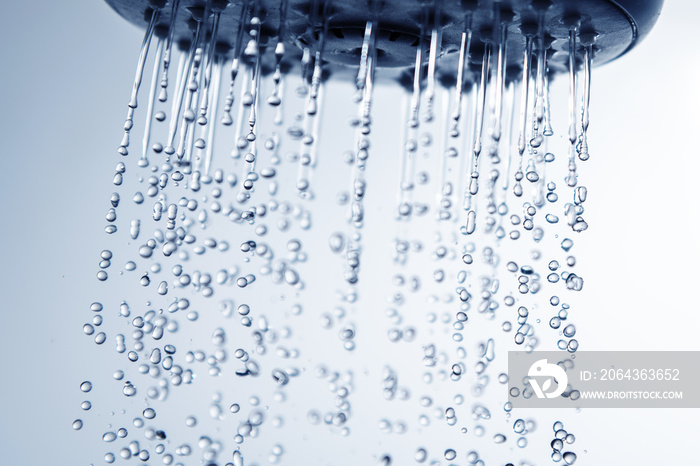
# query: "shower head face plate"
617,25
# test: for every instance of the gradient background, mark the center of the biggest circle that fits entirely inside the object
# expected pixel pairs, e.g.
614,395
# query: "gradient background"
67,69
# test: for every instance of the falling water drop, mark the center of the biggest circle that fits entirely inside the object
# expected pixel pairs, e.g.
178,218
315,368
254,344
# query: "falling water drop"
367,40
538,116
435,49
525,87
572,23
500,82
235,63
151,104
211,47
481,110
137,79
163,95
464,55
587,41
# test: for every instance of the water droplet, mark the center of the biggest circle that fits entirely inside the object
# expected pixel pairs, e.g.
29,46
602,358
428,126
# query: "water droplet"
569,457
128,389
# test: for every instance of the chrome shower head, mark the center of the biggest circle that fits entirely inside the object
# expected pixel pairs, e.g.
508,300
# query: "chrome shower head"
463,45
615,26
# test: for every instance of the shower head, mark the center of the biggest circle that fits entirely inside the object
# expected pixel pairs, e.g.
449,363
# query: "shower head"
614,26
477,47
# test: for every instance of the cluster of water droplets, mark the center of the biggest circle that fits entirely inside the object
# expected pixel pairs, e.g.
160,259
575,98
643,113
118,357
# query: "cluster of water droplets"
227,296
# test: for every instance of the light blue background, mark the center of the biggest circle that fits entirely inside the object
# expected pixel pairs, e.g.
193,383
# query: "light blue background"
66,74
